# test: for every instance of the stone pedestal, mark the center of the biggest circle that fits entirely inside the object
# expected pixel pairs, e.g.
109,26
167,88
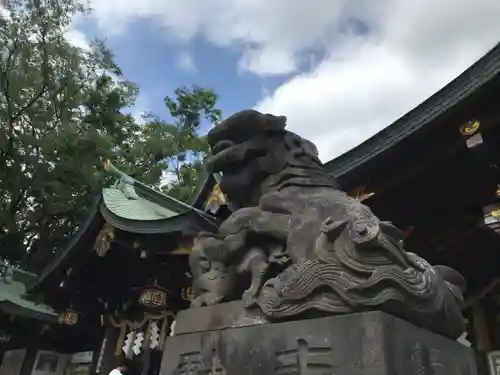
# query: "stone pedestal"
226,339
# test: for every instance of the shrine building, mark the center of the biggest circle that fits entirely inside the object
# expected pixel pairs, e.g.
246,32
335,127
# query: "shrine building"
435,173
122,278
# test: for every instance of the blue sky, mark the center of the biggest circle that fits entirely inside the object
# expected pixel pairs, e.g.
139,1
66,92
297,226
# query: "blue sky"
340,70
158,66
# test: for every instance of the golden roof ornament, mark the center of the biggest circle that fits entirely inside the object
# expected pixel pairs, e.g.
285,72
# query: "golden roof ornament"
361,194
104,239
187,293
185,246
470,127
215,200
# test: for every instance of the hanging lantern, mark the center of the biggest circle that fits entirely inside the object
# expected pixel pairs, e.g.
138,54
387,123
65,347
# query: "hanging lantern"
153,297
68,317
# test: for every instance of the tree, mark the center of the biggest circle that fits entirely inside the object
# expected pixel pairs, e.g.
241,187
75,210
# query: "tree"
176,146
62,111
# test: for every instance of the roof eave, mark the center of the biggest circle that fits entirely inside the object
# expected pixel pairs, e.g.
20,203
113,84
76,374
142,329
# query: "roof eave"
475,77
73,244
168,225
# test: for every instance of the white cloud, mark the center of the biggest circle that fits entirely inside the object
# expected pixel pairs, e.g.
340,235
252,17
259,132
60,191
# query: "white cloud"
138,115
272,34
365,82
140,110
167,177
185,62
4,13
77,38
416,50
267,62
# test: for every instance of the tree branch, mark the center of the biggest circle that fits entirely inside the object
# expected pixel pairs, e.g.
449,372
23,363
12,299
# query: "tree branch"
4,85
45,75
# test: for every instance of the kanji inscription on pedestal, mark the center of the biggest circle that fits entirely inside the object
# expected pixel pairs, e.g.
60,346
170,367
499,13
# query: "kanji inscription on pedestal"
189,364
216,367
304,359
427,360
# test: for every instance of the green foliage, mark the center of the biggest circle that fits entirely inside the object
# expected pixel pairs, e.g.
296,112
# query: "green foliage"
61,113
175,148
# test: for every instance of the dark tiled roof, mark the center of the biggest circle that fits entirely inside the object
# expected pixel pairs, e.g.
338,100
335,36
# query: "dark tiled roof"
476,76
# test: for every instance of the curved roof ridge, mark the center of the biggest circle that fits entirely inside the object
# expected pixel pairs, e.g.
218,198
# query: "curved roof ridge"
477,75
156,196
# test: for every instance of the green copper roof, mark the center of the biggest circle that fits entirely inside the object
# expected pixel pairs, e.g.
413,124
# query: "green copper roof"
131,200
12,296
134,209
132,206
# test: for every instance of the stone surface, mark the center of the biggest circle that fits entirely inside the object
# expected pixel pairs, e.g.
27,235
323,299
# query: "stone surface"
297,245
217,317
370,343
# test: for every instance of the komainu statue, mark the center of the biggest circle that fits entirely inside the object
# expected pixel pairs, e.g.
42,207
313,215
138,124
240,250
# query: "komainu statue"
297,246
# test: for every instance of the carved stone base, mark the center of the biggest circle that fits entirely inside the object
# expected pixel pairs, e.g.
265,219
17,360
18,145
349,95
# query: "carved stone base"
371,343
